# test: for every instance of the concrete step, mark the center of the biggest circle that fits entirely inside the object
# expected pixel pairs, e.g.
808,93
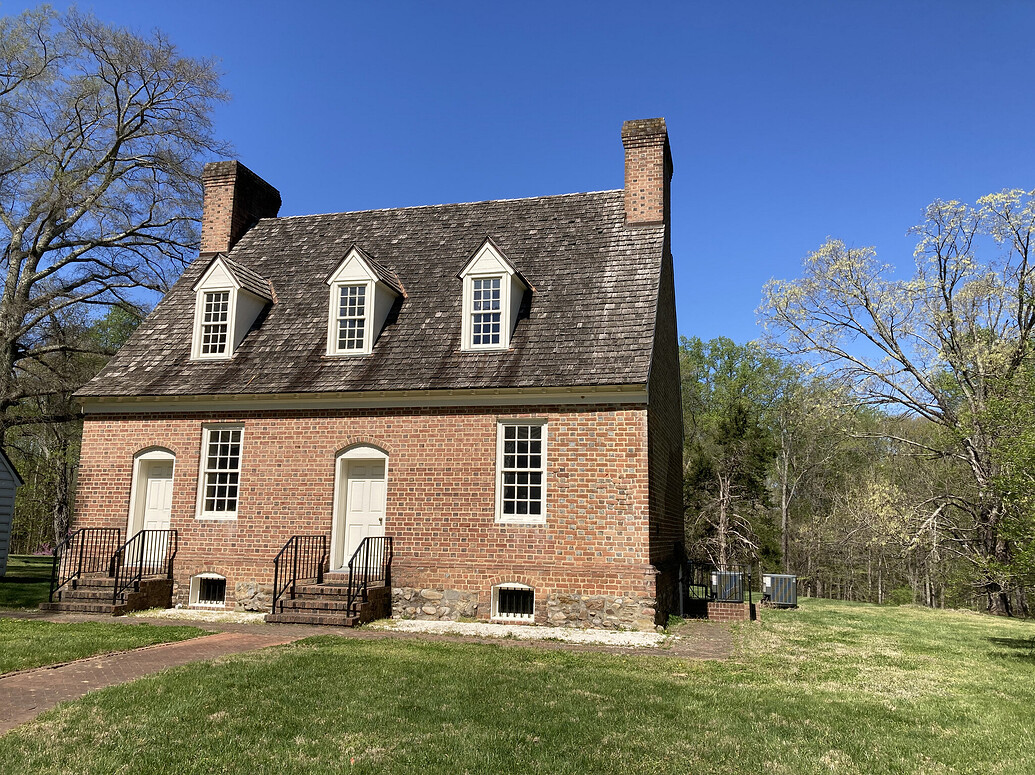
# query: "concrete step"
312,617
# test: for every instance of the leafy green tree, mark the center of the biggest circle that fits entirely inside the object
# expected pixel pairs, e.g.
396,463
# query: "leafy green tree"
729,450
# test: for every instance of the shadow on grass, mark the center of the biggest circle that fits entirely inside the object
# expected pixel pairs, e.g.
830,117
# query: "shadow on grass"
1015,648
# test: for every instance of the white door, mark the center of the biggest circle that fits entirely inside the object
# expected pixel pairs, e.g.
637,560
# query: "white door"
364,504
157,510
158,498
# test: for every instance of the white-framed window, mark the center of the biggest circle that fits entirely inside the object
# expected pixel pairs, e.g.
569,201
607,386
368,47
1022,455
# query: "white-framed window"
208,590
220,472
225,309
215,323
492,297
486,311
351,320
513,602
521,471
362,294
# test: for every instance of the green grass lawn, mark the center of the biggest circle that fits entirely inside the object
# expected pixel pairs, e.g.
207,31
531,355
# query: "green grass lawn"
27,643
830,688
27,581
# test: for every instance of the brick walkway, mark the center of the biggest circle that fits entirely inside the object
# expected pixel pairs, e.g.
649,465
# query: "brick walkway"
25,695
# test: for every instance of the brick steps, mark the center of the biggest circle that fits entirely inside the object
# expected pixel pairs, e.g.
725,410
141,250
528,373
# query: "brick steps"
322,590
92,594
313,617
328,604
85,607
318,604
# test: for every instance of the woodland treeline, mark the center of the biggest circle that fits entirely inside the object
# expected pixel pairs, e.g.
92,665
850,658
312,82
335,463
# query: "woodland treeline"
879,440
783,469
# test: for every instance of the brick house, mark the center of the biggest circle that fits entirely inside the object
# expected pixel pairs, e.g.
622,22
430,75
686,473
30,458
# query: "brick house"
494,385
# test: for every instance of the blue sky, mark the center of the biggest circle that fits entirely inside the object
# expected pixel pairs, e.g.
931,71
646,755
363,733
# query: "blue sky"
789,121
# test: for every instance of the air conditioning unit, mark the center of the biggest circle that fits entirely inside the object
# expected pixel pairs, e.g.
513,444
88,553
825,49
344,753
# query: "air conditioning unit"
728,587
780,589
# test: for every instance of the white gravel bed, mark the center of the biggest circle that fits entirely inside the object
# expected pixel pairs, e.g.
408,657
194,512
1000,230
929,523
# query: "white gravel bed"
526,632
202,615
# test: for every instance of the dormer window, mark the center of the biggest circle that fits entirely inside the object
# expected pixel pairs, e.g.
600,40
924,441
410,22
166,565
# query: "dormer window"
352,317
362,294
492,294
215,323
485,321
229,299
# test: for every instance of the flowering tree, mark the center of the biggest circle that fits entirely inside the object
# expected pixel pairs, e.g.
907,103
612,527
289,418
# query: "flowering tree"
949,345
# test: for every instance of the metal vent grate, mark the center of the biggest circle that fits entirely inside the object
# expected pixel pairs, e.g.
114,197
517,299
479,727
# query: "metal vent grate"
211,591
515,602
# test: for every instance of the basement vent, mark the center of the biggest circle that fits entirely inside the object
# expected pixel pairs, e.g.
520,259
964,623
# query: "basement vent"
208,589
513,601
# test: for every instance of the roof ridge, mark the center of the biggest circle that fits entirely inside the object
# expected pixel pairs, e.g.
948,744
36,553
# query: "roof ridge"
446,204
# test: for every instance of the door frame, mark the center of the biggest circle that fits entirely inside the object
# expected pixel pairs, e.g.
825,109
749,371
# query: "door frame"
142,463
340,509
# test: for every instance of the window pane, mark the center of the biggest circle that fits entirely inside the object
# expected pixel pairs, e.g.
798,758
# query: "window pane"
352,311
215,322
222,470
521,471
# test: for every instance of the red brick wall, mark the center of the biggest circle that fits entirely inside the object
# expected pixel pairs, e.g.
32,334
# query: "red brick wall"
440,494
732,612
235,197
648,171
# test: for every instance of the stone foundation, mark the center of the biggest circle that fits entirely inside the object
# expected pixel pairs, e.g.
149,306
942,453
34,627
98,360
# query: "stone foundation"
442,604
602,612
252,596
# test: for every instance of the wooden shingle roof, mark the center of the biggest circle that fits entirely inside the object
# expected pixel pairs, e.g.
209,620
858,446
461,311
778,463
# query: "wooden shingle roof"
589,322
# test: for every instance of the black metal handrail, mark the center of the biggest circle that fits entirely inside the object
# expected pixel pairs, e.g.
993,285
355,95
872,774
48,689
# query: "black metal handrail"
370,566
302,558
87,550
147,553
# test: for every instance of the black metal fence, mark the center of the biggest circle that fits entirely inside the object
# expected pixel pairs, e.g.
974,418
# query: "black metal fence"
703,581
147,553
303,558
87,550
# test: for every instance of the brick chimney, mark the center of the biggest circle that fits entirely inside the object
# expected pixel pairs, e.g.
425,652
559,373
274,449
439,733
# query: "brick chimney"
235,198
648,171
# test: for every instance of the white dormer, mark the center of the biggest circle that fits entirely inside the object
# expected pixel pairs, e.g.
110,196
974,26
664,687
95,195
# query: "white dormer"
362,294
492,293
228,299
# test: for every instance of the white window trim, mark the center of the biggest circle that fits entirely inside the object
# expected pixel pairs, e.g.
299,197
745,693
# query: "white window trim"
217,516
195,591
332,316
497,616
467,325
199,315
521,519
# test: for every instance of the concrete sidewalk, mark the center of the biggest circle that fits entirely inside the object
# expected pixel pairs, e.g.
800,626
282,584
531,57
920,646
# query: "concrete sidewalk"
26,694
